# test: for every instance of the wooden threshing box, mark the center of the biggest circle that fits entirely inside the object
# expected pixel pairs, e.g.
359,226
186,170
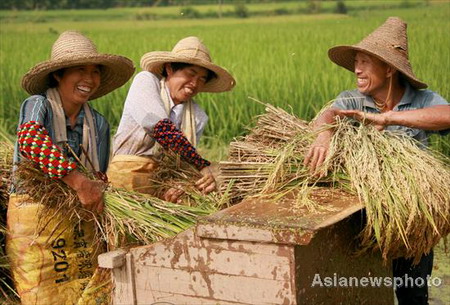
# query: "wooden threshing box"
257,252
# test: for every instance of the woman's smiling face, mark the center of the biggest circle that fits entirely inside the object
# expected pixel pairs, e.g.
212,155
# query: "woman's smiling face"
185,83
77,84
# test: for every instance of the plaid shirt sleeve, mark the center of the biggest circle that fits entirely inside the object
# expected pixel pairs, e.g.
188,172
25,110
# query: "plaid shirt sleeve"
36,145
170,137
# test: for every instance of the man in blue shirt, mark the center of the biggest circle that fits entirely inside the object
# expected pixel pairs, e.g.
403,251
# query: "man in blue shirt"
390,97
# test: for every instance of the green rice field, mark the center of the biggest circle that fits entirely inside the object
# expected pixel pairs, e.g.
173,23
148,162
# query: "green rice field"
278,59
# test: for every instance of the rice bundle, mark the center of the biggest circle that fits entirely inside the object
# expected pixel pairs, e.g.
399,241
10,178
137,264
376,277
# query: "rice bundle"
6,156
405,189
269,160
174,172
140,218
254,162
7,291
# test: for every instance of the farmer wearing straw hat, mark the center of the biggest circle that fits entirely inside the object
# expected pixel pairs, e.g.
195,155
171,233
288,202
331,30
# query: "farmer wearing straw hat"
392,98
160,112
57,131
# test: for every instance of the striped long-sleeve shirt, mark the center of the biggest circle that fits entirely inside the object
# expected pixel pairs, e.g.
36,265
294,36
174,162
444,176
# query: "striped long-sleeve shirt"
35,138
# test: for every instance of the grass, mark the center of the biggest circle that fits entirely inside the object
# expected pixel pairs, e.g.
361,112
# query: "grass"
202,11
282,60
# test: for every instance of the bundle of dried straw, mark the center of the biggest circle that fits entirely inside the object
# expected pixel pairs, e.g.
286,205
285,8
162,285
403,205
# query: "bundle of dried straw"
130,216
405,188
7,292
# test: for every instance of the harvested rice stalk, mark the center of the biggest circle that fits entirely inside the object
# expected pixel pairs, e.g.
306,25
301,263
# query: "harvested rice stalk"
141,218
7,291
406,189
175,172
6,159
277,125
269,160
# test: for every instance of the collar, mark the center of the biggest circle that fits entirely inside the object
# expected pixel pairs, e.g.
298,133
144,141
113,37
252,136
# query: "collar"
80,118
406,99
408,96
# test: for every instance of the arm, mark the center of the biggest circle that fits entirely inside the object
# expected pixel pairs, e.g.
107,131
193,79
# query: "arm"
36,145
143,103
169,137
318,150
432,118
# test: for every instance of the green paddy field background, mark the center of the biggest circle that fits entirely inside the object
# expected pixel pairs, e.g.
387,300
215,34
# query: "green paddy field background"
280,58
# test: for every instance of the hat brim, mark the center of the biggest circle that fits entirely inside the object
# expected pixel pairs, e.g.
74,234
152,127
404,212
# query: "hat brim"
154,62
344,56
116,70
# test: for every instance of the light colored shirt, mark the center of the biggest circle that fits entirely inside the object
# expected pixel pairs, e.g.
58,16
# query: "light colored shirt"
142,110
412,99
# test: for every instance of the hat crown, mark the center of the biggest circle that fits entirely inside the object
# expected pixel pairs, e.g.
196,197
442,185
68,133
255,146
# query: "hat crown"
192,47
389,43
71,43
390,35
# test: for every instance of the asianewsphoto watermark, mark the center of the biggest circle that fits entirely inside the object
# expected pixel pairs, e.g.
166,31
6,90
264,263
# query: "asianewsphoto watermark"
374,281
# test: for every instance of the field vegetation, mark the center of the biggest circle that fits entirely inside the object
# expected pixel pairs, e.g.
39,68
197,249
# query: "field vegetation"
279,59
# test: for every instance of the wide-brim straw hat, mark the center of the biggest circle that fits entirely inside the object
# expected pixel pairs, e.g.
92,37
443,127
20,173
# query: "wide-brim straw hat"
190,50
74,49
388,43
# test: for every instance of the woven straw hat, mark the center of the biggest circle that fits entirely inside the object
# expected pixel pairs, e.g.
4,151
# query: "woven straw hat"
389,43
74,49
190,50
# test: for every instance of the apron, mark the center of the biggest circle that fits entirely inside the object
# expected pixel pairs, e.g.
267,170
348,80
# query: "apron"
132,173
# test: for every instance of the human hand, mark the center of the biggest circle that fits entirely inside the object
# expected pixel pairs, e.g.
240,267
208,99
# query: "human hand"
173,195
90,192
317,153
377,119
206,184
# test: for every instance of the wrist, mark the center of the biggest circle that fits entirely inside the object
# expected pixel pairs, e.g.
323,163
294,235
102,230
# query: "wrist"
388,117
325,134
75,180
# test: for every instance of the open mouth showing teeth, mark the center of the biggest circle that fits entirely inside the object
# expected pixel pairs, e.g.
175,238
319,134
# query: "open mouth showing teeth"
84,89
361,81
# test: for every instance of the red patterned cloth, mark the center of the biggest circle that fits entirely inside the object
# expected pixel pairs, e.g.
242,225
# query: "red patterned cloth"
35,144
170,137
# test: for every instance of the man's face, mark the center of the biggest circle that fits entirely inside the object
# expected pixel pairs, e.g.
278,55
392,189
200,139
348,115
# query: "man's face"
371,75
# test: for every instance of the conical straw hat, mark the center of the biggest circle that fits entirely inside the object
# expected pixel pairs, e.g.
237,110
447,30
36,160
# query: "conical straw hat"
389,43
190,50
74,49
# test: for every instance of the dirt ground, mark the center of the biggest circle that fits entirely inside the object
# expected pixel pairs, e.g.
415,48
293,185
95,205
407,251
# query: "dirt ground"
441,269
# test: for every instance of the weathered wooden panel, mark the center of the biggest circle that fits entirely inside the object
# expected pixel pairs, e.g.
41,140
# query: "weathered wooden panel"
123,280
328,271
266,235
214,270
257,252
164,298
187,252
241,289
